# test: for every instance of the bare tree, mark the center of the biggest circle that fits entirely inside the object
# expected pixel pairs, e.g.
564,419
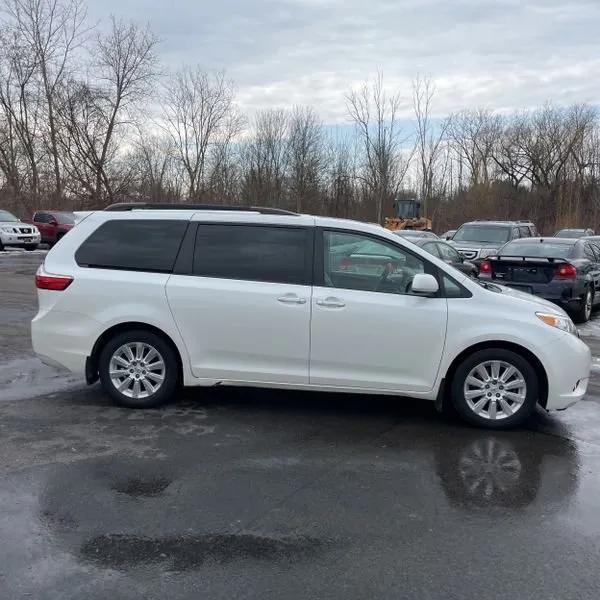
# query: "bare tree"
375,115
199,113
305,156
265,159
52,30
429,147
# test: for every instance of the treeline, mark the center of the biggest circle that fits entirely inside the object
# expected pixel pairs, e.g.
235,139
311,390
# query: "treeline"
88,117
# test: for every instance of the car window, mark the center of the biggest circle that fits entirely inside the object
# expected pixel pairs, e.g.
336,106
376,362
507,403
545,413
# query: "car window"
482,233
534,249
432,248
42,218
451,288
447,252
596,246
524,231
515,233
7,217
252,253
144,245
354,261
589,252
534,231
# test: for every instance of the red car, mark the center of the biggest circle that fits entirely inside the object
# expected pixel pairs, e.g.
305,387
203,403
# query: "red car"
52,224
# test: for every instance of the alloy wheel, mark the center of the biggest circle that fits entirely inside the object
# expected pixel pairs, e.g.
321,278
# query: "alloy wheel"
137,370
495,389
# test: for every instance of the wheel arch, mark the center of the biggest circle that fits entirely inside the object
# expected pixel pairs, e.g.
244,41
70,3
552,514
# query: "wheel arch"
91,365
518,349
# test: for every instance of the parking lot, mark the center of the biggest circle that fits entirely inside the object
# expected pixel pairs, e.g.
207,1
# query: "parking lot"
239,493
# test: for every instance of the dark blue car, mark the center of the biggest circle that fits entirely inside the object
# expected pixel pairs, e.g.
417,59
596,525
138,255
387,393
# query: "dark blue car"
564,271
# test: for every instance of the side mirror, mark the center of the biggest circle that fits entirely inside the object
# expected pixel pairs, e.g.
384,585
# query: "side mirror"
424,284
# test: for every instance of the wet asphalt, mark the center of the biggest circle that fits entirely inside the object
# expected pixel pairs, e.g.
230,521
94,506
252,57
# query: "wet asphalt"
266,494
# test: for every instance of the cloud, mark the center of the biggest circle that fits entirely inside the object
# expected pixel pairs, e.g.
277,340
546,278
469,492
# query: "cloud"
505,54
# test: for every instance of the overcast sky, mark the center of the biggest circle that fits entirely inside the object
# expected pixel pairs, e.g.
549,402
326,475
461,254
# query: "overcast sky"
503,54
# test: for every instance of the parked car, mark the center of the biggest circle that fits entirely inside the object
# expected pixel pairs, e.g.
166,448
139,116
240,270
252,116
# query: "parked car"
573,233
148,297
52,224
479,239
448,235
563,270
413,233
448,254
14,232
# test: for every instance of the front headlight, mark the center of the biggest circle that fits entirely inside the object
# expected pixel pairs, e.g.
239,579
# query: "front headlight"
8,229
557,321
485,252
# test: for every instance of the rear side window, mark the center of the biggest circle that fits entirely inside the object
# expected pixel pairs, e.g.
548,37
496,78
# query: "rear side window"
253,253
589,252
143,245
524,231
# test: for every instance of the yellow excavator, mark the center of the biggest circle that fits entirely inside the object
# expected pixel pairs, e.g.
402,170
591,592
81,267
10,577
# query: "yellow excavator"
408,216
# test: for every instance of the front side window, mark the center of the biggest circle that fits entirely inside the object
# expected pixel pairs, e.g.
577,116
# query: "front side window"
144,245
432,248
252,253
524,231
357,262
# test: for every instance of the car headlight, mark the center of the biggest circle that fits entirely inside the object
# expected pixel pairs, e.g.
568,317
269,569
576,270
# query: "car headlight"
8,229
484,253
557,321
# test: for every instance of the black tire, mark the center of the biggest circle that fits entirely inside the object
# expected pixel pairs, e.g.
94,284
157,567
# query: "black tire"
31,247
583,312
512,359
170,383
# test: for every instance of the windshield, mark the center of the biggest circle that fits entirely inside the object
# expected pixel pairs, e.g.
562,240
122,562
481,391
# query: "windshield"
64,218
482,233
570,233
6,216
537,249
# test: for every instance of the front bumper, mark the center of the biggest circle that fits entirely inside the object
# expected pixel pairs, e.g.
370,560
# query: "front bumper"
568,365
19,240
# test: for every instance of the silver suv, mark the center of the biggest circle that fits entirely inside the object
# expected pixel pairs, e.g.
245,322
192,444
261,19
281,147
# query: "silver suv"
477,240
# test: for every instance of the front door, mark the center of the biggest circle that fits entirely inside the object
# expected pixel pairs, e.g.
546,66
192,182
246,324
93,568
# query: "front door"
244,313
367,329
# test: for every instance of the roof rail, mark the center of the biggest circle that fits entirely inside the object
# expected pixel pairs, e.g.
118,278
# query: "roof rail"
128,206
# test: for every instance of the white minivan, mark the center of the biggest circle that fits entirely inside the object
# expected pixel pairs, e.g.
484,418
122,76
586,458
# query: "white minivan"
149,297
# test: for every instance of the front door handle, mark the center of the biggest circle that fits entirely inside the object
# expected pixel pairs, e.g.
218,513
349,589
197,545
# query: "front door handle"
330,302
291,299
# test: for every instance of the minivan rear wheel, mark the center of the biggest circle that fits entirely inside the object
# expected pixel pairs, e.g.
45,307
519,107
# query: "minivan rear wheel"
138,369
495,388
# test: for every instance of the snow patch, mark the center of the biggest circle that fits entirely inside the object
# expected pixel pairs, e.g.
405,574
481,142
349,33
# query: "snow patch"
28,377
19,252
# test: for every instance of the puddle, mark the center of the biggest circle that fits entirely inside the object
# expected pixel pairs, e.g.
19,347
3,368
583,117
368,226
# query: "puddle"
139,488
190,552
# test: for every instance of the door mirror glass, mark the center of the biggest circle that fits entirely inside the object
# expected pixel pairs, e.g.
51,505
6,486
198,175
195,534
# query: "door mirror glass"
424,284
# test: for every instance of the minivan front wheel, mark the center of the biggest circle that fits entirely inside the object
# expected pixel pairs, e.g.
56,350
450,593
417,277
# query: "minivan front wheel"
138,369
495,388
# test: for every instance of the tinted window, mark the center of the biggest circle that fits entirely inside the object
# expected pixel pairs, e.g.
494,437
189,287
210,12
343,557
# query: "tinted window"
537,249
41,218
133,245
253,253
482,233
515,233
534,231
356,262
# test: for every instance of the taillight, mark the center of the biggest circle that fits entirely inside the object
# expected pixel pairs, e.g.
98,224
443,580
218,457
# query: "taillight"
485,268
48,281
565,271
